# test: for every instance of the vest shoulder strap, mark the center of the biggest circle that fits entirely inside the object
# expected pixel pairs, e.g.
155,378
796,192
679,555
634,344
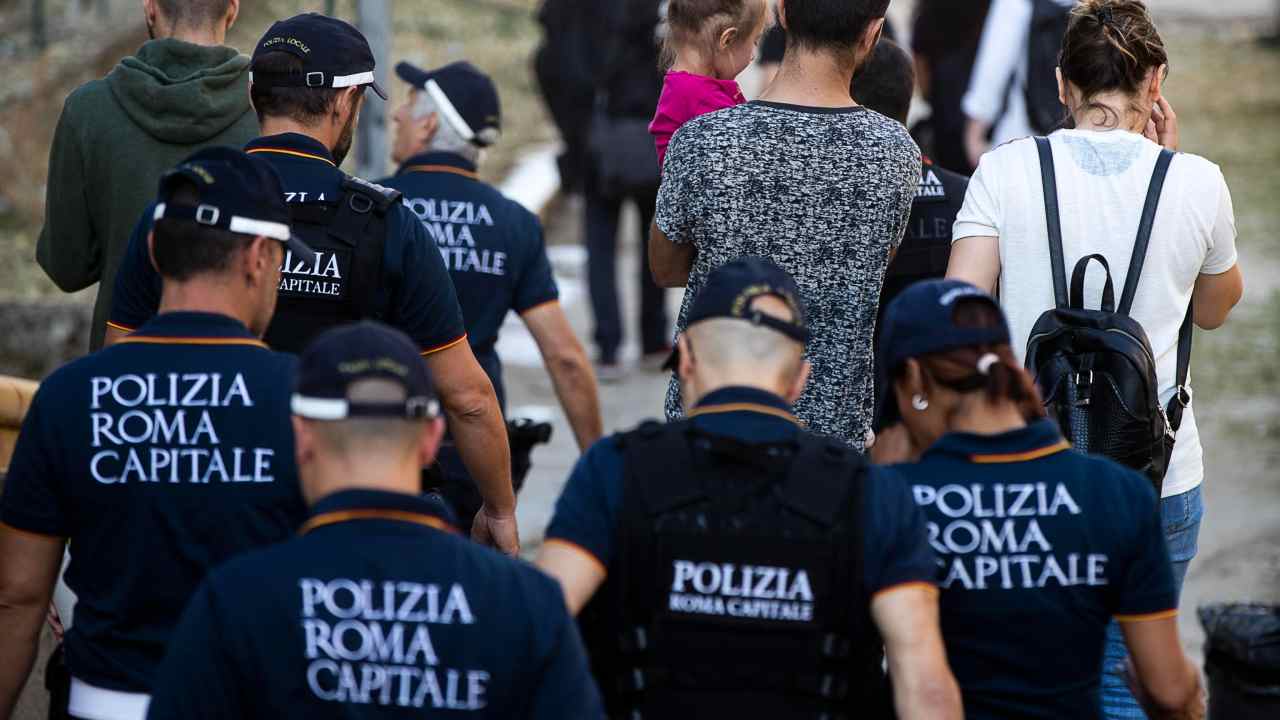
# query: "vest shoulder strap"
382,199
822,477
650,451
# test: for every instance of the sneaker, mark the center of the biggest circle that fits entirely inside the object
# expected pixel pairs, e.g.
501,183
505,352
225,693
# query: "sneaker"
653,361
609,373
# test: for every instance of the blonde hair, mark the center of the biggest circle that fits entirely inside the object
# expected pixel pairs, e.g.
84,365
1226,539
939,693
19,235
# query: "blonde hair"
700,23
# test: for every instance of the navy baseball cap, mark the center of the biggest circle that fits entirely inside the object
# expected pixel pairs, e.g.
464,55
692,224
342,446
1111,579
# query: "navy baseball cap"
237,192
466,97
921,321
730,290
348,354
334,54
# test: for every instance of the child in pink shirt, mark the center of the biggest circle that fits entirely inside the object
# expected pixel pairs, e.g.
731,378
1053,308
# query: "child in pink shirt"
709,43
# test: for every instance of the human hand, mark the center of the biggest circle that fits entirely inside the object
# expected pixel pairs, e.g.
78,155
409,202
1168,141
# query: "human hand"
976,143
893,445
497,531
1162,128
1195,709
55,622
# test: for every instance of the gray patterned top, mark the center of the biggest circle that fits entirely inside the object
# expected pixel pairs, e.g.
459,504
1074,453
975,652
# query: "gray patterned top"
824,193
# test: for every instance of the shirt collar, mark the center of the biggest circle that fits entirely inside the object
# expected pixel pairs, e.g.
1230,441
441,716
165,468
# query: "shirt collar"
294,145
355,505
1037,440
438,162
751,414
194,328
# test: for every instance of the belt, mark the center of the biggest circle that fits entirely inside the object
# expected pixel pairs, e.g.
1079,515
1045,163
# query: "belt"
95,703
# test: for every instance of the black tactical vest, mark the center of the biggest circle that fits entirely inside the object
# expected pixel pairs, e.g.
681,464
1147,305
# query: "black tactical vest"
738,586
344,284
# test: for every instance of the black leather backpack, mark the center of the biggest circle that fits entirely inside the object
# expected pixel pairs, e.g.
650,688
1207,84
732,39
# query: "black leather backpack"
1095,368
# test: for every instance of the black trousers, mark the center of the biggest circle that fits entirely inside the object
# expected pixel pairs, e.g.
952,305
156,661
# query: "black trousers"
602,277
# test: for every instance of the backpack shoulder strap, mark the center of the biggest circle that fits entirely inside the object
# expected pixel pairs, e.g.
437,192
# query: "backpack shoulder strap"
1181,399
1144,230
1049,179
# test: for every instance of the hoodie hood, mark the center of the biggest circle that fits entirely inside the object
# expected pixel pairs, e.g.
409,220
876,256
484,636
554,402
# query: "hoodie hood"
182,93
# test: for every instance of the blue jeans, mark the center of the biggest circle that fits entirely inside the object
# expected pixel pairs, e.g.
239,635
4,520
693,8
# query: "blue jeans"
1181,515
602,278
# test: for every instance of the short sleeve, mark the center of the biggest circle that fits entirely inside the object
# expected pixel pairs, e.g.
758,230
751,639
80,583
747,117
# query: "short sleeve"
910,183
34,494
895,540
586,513
536,284
980,215
1146,582
424,303
681,196
566,688
198,648
136,298
1222,249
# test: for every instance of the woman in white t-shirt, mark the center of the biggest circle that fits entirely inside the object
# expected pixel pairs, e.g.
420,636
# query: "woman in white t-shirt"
1110,74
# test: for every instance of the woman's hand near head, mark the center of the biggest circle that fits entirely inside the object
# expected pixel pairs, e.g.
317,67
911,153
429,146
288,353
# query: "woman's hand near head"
1162,128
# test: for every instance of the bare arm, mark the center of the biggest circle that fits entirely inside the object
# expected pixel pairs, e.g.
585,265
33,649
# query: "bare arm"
29,566
569,368
579,573
669,262
976,260
1167,684
475,421
923,687
1215,296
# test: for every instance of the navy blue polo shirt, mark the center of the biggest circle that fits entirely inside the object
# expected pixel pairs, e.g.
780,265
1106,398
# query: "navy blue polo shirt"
378,610
896,550
1039,548
419,294
492,246
158,458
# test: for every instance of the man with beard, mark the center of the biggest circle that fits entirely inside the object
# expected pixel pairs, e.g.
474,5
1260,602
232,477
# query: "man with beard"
181,91
373,260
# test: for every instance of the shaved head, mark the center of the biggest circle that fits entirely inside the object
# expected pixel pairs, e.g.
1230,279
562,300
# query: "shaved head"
361,437
732,350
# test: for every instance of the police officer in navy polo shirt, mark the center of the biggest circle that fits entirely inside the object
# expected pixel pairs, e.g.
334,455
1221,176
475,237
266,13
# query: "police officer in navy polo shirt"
375,260
732,564
1039,546
492,246
162,456
378,609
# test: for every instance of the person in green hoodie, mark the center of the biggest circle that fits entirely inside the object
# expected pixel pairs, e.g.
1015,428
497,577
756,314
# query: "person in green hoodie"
183,90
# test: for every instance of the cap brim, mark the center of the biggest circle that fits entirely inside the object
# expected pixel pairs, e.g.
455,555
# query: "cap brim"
412,74
300,250
378,89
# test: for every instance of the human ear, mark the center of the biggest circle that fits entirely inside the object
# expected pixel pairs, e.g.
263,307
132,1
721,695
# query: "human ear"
1062,87
728,38
782,13
233,12
797,385
1157,82
151,249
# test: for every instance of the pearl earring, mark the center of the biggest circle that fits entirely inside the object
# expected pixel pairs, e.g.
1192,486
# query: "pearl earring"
919,402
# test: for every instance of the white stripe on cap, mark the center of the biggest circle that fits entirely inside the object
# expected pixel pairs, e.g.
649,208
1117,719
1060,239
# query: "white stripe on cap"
249,226
451,114
318,408
341,81
244,225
